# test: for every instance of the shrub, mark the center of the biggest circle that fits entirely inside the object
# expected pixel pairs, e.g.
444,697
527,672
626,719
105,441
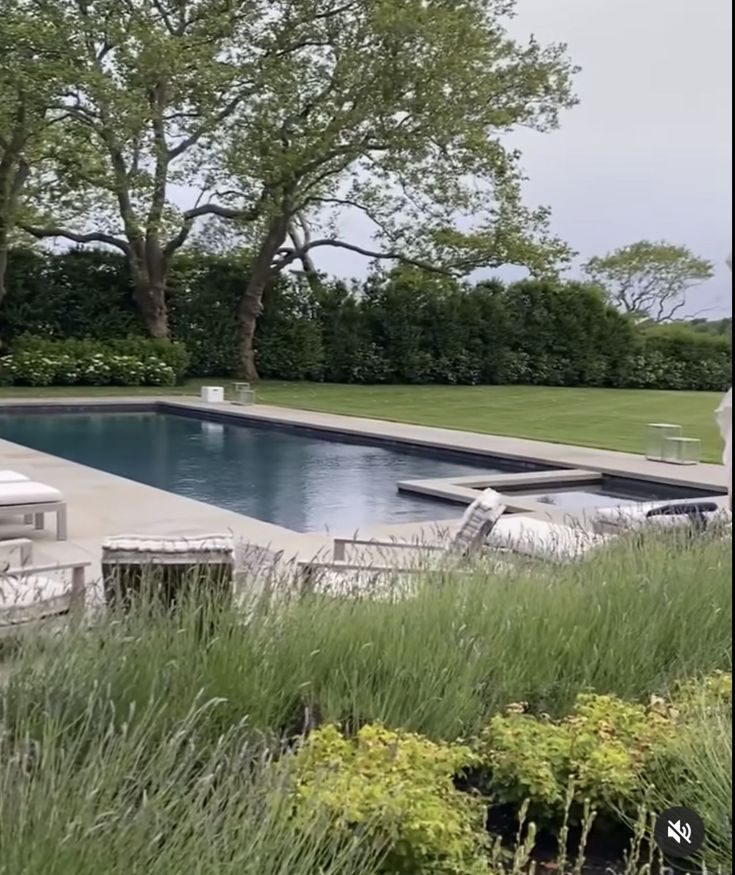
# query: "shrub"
173,354
125,370
288,338
76,293
404,325
399,787
30,369
203,296
601,750
37,361
677,357
158,373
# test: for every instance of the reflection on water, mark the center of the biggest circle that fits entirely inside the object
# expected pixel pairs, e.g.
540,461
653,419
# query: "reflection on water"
301,482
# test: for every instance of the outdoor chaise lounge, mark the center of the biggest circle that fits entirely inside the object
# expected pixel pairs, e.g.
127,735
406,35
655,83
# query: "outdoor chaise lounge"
658,514
478,522
33,595
511,534
23,497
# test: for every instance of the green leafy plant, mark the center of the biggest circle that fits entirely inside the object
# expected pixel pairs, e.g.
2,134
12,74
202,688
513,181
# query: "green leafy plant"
400,787
37,361
600,749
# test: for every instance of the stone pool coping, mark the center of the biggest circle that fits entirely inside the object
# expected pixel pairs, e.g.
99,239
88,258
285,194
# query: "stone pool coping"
102,504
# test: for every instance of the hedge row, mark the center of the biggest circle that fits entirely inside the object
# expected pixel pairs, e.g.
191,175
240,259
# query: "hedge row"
402,327
134,361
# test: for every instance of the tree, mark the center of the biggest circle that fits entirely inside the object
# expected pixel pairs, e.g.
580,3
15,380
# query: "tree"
398,113
154,82
31,68
649,280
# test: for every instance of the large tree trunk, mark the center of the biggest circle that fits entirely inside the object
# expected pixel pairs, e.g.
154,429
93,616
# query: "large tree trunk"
150,296
150,272
251,303
3,262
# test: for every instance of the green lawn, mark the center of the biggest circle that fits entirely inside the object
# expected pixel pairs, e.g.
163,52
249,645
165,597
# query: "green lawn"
609,418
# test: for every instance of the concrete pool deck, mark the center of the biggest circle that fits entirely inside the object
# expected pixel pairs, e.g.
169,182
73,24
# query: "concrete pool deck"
102,504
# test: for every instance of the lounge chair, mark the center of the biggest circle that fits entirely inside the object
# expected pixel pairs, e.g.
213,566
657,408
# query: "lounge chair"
32,501
516,534
658,514
476,524
34,595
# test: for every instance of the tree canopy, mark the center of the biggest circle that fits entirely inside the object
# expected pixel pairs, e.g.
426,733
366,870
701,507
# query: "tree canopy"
281,118
649,280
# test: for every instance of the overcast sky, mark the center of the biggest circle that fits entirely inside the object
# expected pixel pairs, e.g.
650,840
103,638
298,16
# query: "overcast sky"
647,153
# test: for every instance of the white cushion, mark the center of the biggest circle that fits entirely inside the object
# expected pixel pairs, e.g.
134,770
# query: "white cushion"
12,477
542,539
33,597
27,492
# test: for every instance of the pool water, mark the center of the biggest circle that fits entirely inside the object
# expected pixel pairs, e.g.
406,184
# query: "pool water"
302,482
611,492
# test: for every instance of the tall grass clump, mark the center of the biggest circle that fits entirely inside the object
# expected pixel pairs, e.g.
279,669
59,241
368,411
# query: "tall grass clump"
695,771
630,621
140,801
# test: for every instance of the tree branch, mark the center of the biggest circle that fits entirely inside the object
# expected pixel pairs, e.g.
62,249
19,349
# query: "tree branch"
346,202
194,137
94,237
368,253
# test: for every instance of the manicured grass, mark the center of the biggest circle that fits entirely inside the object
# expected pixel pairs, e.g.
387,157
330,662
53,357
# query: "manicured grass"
613,419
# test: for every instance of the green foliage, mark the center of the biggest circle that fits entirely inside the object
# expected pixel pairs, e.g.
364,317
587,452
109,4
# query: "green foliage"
139,801
289,342
405,326
151,776
695,767
600,750
37,361
441,664
34,65
399,787
566,334
68,294
649,280
712,691
204,292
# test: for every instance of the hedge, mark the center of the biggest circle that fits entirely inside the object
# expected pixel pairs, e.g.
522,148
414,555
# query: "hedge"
134,361
405,326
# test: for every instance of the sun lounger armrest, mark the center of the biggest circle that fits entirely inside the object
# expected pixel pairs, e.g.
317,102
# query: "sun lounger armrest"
23,545
77,578
341,544
45,569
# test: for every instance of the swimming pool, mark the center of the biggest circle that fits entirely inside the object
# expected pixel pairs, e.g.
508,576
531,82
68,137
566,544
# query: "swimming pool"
296,480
